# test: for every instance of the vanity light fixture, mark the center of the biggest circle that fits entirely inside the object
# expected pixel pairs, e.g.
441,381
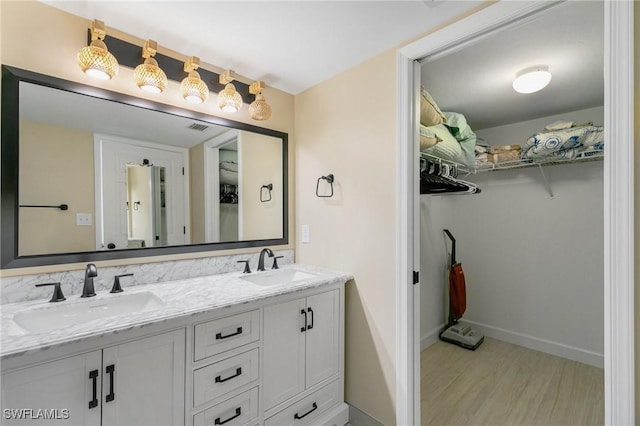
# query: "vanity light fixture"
229,100
259,109
193,89
148,75
96,60
532,79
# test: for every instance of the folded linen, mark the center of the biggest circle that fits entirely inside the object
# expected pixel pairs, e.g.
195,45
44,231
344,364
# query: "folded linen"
566,143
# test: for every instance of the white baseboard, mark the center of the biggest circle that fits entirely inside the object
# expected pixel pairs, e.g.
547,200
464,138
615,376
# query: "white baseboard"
430,337
531,342
538,344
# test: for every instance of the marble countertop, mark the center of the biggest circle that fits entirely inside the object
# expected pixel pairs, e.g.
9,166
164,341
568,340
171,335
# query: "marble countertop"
180,298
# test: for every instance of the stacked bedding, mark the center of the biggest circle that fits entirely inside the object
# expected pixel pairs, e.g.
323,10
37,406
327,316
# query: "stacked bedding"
565,139
445,135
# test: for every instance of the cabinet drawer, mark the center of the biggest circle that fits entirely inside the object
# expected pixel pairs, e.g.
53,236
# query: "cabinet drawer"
239,410
307,410
223,334
217,379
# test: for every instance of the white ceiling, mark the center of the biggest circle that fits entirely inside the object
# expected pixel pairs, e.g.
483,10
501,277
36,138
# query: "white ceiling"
291,45
476,81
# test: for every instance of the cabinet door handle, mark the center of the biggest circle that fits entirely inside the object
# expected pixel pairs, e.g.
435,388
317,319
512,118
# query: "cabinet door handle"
93,375
298,417
219,379
304,328
220,336
110,370
311,312
219,421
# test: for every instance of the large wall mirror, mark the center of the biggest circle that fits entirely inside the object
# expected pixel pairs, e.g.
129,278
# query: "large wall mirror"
89,174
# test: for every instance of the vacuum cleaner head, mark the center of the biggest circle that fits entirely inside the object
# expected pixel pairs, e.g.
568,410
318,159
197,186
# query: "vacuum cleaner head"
462,335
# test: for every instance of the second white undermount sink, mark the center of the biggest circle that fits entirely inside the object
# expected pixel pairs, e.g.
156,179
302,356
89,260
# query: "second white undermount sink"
277,276
70,313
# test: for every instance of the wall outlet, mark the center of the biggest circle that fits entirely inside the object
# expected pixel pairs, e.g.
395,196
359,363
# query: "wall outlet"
83,219
305,234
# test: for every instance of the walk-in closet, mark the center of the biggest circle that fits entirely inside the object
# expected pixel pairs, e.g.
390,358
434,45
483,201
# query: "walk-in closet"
517,179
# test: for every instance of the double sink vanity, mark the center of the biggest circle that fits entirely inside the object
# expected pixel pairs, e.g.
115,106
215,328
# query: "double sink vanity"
264,348
204,346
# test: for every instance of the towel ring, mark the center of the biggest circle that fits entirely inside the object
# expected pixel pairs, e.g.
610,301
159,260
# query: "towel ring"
329,179
269,188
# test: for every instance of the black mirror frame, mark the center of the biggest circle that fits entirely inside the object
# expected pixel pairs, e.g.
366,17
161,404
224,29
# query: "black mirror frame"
9,257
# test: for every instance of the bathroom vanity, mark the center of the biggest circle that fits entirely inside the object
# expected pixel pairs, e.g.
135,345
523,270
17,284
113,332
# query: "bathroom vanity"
265,348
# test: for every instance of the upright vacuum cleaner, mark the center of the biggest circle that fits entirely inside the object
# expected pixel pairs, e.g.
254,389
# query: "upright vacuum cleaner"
456,332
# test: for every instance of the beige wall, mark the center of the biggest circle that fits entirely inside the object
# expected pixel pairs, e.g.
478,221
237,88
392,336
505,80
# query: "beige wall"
261,164
355,230
58,165
59,36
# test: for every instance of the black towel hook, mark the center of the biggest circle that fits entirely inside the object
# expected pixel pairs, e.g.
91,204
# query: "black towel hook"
329,179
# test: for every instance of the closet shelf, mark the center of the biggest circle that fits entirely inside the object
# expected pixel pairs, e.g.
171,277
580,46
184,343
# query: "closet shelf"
518,164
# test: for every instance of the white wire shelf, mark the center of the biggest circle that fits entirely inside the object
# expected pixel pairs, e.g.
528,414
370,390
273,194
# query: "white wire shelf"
583,157
522,163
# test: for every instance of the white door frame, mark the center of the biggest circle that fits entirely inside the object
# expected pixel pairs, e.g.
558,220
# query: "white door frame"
618,204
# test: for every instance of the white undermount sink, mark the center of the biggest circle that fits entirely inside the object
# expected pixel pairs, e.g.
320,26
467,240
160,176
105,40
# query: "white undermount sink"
70,313
277,276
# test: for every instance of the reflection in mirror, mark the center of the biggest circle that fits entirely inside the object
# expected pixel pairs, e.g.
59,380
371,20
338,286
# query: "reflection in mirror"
133,177
146,208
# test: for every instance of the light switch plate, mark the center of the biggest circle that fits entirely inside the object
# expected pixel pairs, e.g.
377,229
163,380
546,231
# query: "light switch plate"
305,234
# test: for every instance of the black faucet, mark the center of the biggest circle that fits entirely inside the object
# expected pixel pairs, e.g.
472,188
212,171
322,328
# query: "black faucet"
261,258
89,274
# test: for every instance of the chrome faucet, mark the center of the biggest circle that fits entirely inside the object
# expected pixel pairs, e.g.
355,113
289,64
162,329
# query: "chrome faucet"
89,274
261,258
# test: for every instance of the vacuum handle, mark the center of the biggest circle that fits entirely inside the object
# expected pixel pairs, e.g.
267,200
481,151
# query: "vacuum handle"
453,246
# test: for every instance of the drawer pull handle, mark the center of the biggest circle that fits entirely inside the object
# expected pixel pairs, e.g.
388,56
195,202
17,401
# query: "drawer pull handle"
219,379
219,421
298,417
311,312
93,375
220,336
304,328
110,370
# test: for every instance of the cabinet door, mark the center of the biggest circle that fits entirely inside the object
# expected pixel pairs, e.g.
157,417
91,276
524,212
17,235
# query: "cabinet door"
63,392
283,368
323,337
143,381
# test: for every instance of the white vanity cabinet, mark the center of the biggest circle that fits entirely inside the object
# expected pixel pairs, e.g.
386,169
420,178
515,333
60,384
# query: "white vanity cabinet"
301,347
65,388
134,383
272,360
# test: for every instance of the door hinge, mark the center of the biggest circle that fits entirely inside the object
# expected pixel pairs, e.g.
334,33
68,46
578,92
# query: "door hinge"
183,171
184,230
416,277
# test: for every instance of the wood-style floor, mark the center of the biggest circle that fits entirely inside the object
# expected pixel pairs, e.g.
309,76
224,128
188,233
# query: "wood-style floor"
504,384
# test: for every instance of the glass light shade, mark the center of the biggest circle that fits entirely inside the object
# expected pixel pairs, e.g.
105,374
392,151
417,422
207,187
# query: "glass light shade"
149,77
229,100
532,81
260,109
194,89
95,60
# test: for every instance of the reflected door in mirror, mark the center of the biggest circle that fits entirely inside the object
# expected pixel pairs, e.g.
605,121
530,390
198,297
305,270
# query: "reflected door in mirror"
143,202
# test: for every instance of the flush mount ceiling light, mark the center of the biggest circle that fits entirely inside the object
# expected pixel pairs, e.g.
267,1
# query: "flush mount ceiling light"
229,100
96,60
148,75
193,89
532,79
259,109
